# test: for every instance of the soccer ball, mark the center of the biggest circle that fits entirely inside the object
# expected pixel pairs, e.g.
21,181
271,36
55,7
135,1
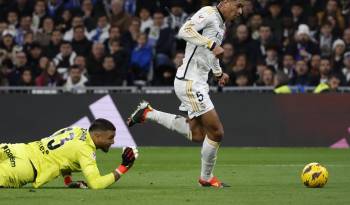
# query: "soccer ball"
314,175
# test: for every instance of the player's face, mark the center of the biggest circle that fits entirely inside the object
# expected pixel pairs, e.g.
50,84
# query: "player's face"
234,9
106,139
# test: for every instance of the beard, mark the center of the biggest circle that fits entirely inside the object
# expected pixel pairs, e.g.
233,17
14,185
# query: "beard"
105,149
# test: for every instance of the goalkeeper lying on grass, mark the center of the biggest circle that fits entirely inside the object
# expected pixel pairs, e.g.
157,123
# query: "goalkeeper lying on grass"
68,150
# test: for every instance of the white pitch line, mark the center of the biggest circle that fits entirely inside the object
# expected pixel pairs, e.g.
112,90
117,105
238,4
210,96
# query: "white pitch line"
279,165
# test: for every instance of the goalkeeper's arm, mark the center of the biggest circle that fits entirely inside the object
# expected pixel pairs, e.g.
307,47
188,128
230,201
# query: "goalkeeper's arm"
92,174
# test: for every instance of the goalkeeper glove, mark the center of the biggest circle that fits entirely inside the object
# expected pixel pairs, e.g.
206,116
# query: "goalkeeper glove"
74,184
128,158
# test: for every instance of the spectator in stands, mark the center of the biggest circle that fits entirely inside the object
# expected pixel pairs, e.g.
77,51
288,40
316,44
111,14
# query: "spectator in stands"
76,80
227,59
20,62
43,35
80,44
160,33
53,48
114,34
64,22
301,74
162,38
346,69
34,56
141,58
26,78
325,39
274,19
240,64
146,19
7,42
87,8
177,16
297,11
338,50
178,59
49,77
255,21
3,26
129,38
272,57
346,38
80,61
121,58
304,47
324,71
95,60
100,33
242,43
288,65
43,63
242,79
24,27
268,77
333,14
77,21
315,65
111,75
39,14
260,45
23,7
288,31
12,20
54,8
118,16
65,58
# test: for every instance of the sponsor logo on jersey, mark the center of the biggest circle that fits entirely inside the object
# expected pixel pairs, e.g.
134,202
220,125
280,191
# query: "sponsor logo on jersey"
10,155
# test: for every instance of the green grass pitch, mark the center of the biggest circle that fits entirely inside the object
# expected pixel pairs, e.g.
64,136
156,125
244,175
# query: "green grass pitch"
168,175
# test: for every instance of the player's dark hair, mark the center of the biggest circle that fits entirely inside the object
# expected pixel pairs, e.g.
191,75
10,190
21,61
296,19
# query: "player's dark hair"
101,125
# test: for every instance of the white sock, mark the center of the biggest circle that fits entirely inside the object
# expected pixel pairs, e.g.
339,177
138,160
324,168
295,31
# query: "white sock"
173,122
209,152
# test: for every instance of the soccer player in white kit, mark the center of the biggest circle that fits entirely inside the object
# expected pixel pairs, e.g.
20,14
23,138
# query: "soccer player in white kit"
204,33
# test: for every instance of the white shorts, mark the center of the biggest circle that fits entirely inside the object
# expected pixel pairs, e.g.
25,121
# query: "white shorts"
194,97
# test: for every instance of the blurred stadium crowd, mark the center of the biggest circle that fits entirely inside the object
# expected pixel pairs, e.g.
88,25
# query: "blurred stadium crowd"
77,43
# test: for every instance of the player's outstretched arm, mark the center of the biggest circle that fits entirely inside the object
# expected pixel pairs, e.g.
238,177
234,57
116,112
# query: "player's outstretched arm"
92,174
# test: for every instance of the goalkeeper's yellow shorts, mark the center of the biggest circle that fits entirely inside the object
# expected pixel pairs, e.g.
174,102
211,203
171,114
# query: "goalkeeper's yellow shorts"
16,168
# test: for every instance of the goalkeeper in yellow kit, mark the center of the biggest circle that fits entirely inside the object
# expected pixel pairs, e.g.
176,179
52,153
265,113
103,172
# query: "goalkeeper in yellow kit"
68,150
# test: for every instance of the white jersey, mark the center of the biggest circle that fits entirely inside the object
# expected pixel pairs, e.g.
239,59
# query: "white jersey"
201,31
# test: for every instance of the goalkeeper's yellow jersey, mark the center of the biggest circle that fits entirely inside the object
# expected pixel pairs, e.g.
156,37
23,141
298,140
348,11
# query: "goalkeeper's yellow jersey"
67,150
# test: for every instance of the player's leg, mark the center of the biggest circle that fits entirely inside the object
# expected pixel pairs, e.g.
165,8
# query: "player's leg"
16,170
190,128
214,129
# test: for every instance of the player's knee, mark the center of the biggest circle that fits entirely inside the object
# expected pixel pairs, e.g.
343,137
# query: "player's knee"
218,134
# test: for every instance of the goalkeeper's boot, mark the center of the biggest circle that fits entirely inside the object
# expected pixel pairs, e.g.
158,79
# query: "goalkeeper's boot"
213,182
139,115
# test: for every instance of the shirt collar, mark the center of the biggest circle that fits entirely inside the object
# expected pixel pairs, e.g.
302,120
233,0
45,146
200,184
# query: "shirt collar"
222,16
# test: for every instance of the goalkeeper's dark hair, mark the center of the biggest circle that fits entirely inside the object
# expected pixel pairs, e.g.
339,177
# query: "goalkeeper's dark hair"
101,125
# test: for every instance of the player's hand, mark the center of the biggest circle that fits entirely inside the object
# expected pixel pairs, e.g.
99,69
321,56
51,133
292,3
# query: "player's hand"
78,185
128,157
218,51
223,80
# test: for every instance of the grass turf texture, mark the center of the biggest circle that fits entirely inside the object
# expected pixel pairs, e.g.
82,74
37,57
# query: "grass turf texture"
169,176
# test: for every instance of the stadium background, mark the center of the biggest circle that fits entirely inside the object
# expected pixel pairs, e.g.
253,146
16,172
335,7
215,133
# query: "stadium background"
57,57
65,62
